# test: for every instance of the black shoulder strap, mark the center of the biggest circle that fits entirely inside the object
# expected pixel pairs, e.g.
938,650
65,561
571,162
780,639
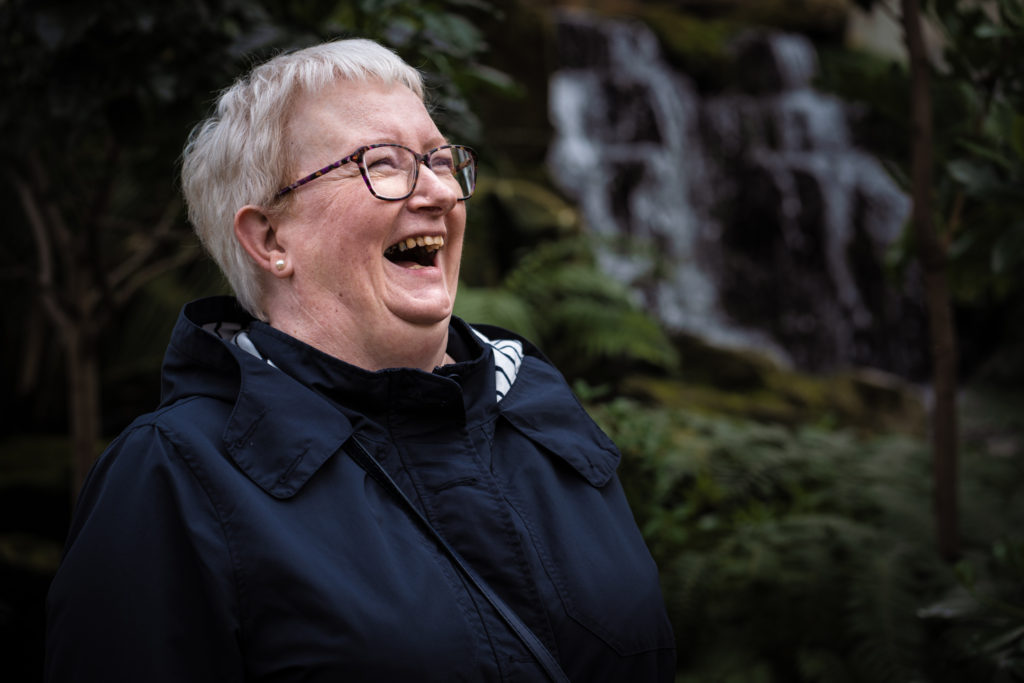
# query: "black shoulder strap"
543,656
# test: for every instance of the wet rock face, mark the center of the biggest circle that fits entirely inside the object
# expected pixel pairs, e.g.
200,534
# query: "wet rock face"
825,213
771,225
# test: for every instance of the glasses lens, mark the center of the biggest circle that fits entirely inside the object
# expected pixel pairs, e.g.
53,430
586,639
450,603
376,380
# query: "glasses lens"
390,170
463,168
456,166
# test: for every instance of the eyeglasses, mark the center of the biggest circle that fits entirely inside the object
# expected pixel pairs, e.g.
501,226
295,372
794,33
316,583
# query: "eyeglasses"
390,171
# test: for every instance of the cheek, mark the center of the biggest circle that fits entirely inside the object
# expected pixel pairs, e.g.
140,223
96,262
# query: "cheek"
457,231
346,233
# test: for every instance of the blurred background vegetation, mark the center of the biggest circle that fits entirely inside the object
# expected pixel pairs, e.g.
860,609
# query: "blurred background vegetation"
790,512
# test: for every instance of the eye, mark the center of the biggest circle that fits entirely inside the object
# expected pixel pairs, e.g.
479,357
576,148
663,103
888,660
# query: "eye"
386,159
441,162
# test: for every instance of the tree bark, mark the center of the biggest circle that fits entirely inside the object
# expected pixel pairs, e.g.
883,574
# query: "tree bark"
80,292
68,297
933,256
83,401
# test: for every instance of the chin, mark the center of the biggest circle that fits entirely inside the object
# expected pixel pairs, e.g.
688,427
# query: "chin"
427,317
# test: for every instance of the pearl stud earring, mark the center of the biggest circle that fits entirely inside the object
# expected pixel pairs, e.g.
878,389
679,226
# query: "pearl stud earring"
279,264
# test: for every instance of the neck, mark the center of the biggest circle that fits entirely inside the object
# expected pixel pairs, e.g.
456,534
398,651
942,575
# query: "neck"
395,345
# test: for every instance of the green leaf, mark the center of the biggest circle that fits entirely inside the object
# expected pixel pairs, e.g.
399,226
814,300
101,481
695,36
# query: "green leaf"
1012,12
494,77
965,573
1008,250
495,307
987,31
1016,137
976,178
453,33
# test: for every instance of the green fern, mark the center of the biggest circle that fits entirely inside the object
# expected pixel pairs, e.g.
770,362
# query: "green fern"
586,321
800,552
495,307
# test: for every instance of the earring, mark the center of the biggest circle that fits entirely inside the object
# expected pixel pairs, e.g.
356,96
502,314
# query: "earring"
279,264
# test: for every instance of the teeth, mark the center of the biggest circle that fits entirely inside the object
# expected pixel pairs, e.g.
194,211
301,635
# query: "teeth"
431,243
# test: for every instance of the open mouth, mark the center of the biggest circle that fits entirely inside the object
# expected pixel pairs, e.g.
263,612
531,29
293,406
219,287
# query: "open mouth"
415,252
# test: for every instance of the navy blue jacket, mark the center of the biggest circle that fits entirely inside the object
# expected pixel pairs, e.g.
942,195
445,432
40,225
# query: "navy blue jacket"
228,537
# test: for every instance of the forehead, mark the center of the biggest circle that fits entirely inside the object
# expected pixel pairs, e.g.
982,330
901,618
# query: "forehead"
348,114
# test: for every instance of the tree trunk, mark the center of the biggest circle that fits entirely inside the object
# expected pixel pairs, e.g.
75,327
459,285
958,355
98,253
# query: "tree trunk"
83,401
933,255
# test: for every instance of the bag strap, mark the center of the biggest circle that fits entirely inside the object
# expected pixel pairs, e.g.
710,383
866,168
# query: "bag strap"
543,656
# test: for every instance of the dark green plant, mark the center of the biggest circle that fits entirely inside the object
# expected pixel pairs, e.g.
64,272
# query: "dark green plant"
442,38
100,97
978,95
978,627
798,554
963,164
529,267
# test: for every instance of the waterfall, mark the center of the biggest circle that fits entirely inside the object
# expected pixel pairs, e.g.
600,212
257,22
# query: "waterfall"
624,150
766,226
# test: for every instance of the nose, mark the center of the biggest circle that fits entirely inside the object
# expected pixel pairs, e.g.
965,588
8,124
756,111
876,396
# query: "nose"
433,191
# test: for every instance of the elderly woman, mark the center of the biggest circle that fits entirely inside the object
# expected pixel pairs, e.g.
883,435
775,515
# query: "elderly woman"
343,482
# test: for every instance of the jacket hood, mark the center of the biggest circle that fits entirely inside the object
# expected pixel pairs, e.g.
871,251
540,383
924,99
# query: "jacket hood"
261,434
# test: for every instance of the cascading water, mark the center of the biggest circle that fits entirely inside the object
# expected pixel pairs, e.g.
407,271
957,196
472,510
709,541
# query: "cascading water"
625,126
766,226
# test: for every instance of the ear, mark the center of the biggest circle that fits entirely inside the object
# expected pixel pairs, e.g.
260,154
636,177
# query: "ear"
257,236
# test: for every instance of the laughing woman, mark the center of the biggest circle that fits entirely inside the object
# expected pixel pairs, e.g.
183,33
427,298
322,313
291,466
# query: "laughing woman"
343,482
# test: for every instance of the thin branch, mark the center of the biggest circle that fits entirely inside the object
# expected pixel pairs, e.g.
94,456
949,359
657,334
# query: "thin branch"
104,184
152,241
40,232
149,273
956,215
953,225
32,352
934,259
58,228
44,251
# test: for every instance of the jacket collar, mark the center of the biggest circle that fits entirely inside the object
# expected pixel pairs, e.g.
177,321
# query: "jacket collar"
286,422
404,400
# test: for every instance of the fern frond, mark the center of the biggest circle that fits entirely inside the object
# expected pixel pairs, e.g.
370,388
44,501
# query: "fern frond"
496,307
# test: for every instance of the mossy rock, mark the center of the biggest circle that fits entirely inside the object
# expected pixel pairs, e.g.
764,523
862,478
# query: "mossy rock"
751,385
729,369
697,46
696,35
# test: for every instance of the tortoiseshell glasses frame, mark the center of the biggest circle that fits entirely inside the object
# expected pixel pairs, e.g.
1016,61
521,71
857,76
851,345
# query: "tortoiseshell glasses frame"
391,171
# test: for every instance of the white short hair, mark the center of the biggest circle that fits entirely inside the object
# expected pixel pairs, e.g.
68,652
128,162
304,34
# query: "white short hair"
237,156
